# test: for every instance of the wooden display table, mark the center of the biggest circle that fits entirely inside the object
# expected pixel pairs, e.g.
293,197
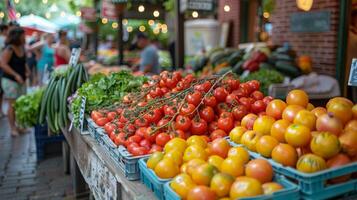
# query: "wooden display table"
92,166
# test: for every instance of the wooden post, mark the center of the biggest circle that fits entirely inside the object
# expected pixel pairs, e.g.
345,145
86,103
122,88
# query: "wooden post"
96,28
120,13
180,39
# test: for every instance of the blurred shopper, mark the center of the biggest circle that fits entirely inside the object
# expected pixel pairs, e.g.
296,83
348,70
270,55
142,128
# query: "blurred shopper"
13,63
32,57
62,51
149,56
3,34
46,60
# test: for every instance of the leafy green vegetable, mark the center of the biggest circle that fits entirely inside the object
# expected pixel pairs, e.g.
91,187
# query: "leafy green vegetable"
102,91
266,78
27,108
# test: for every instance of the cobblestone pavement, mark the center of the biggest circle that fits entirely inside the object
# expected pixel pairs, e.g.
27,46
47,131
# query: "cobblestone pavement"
21,177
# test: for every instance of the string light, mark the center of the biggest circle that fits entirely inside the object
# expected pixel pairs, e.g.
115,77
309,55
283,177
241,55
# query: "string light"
115,25
125,22
63,14
44,1
156,31
2,14
158,25
142,28
156,13
104,20
18,15
78,13
16,1
164,30
141,8
48,15
194,14
129,29
266,15
226,8
163,26
151,22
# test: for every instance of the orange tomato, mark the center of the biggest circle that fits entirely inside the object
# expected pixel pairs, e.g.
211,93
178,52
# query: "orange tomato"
341,110
325,144
284,154
232,166
245,187
328,122
348,140
220,147
248,121
221,184
298,135
297,97
194,151
278,129
175,155
318,111
271,187
275,108
178,144
263,124
310,107
351,125
291,111
166,168
201,192
338,161
236,134
193,164
265,145
354,111
239,153
339,99
259,169
306,118
215,161
249,139
310,163
196,139
203,174
182,184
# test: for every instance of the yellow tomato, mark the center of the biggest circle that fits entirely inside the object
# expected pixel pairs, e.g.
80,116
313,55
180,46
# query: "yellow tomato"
154,159
265,145
239,153
178,144
193,164
249,139
183,168
232,166
245,187
298,135
310,107
196,139
271,187
194,151
297,97
215,161
175,155
278,129
310,163
203,174
166,168
263,124
306,118
221,184
236,134
181,184
325,144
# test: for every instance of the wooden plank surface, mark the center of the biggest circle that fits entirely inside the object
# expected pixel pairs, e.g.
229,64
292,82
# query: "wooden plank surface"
101,172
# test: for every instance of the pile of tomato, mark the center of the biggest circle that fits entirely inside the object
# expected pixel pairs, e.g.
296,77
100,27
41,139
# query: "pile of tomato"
296,134
202,170
210,108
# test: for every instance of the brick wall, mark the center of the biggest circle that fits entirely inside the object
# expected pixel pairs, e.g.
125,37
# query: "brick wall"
322,47
232,17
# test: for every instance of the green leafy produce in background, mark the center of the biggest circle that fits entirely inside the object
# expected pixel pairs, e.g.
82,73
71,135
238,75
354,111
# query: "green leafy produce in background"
266,78
101,91
27,109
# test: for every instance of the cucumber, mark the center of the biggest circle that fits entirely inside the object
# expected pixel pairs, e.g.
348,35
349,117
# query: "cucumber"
60,112
265,66
49,108
56,96
287,68
238,68
42,115
74,81
234,58
79,78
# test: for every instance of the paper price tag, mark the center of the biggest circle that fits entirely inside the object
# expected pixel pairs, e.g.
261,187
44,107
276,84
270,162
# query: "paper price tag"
352,81
73,60
82,113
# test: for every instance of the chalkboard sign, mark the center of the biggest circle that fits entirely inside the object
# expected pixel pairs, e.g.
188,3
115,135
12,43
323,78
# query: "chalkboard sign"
310,22
352,81
82,113
198,5
73,60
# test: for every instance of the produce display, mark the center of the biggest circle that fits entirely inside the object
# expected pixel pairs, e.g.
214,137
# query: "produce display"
62,84
103,91
171,105
27,109
296,134
212,170
266,77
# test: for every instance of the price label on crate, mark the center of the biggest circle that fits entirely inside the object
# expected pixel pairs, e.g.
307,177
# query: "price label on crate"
73,60
352,81
82,112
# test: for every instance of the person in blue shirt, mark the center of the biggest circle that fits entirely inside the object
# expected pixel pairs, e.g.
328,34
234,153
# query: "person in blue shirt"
149,57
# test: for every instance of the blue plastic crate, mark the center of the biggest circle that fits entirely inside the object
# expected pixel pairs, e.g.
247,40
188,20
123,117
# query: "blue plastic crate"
129,164
110,146
290,191
42,138
92,128
151,181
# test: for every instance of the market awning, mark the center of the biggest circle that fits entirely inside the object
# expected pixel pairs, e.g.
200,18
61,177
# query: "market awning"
38,23
67,22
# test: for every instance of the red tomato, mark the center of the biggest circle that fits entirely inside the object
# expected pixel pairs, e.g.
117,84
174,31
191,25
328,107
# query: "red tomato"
95,115
198,127
145,143
130,128
233,83
155,148
131,145
207,113
206,86
180,134
109,127
119,110
123,119
183,123
170,110
245,102
222,107
226,115
162,139
226,124
217,134
258,106
141,131
187,110
112,115
241,92
139,151
112,135
142,104
165,90
212,126
163,122
246,88
171,82
254,84
220,94
257,95
194,98
156,92
232,99
177,75
267,99
239,112
153,116
210,101
120,125
141,122
134,138
102,121
120,139
150,136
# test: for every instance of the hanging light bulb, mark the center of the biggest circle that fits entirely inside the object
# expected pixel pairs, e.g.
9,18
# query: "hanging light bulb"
114,25
125,22
151,22
44,1
18,15
129,29
156,13
104,20
194,14
2,14
78,13
63,14
141,8
16,1
48,15
142,28
226,8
